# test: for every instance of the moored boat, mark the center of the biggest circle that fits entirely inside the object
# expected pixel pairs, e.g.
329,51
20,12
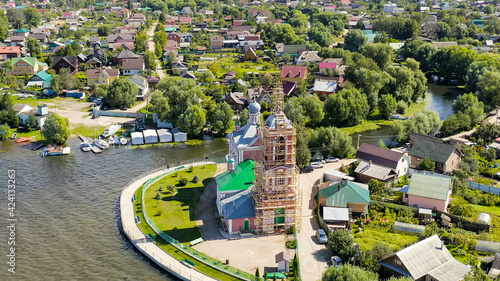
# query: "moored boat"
25,139
109,131
111,141
123,141
101,143
14,136
53,150
85,146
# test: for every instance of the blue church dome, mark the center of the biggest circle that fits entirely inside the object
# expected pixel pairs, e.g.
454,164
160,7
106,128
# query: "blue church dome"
254,108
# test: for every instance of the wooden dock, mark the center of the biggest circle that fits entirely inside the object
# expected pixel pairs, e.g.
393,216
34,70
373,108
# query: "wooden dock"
95,149
37,146
85,139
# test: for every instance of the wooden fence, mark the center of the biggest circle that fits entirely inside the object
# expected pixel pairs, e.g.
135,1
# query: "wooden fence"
466,224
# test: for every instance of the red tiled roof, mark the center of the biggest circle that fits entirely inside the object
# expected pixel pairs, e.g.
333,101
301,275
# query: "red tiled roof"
293,71
10,50
324,65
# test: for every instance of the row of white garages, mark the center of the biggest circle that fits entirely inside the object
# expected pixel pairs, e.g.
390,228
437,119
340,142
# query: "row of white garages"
156,136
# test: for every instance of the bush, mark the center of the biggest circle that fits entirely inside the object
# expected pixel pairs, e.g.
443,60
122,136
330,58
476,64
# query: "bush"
183,181
196,179
291,230
292,244
402,106
170,188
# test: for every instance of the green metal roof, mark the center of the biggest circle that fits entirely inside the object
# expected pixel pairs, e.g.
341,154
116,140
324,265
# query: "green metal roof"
429,186
29,60
240,179
349,192
44,75
21,31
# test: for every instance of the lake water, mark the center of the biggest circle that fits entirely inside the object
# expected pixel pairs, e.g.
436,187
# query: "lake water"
439,98
67,226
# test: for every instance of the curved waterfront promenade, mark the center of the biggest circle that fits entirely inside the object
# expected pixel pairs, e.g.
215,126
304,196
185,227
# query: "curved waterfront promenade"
143,243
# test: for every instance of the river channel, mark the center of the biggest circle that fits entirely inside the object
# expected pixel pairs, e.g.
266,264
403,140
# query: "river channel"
439,98
67,210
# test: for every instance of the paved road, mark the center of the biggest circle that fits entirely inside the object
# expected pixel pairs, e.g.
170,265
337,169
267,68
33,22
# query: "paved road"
313,257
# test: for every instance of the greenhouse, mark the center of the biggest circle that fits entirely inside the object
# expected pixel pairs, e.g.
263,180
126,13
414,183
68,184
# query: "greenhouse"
487,246
408,227
484,218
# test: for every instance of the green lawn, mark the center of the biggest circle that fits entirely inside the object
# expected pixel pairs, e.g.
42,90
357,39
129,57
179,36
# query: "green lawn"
86,130
33,102
494,212
175,214
368,237
172,250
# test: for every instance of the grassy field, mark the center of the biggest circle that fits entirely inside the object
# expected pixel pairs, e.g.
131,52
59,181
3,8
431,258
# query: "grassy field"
175,213
170,249
368,237
416,107
33,102
494,212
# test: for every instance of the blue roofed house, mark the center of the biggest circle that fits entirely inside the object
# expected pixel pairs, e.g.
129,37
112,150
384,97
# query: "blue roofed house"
345,194
234,197
41,79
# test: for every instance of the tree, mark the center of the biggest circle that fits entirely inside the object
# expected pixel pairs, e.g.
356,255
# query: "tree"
244,117
489,9
427,164
398,27
103,30
342,242
160,40
32,17
4,131
298,21
192,120
387,105
31,123
452,62
56,129
488,88
305,110
382,54
320,34
489,154
122,93
376,187
460,207
141,42
346,108
303,154
332,140
150,60
34,46
56,83
487,132
4,26
15,17
347,272
470,106
420,51
208,77
220,117
355,40
257,274
371,257
427,123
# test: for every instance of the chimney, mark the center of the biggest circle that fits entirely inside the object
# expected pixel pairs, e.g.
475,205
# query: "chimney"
300,72
43,110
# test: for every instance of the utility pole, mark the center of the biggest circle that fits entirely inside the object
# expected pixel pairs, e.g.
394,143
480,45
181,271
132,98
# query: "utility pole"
357,146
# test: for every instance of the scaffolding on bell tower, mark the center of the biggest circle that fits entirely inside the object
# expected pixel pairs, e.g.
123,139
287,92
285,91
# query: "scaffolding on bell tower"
277,197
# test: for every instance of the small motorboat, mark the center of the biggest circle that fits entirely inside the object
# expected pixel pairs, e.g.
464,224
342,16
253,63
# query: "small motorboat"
25,139
85,146
117,140
14,136
54,150
66,150
102,144
111,141
123,141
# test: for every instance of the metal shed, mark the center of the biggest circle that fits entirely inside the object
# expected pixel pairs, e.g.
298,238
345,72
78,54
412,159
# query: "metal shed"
178,135
137,138
164,135
150,136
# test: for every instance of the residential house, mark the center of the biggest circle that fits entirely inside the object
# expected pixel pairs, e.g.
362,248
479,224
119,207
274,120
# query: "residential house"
244,141
41,79
254,44
446,156
186,11
10,52
380,163
305,57
26,66
234,198
206,12
15,41
24,111
428,191
345,194
324,87
69,62
125,55
178,67
443,44
187,74
132,66
216,43
259,95
237,101
101,76
246,28
293,73
138,17
250,55
143,86
175,36
41,37
325,65
426,260
185,21
289,87
21,32
123,13
337,218
68,15
119,38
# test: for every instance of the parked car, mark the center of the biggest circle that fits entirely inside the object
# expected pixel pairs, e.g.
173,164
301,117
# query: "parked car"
307,169
336,261
332,159
321,235
317,165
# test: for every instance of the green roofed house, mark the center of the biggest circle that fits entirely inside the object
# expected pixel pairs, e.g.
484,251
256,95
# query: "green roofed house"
234,197
345,194
428,191
41,79
21,32
26,66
